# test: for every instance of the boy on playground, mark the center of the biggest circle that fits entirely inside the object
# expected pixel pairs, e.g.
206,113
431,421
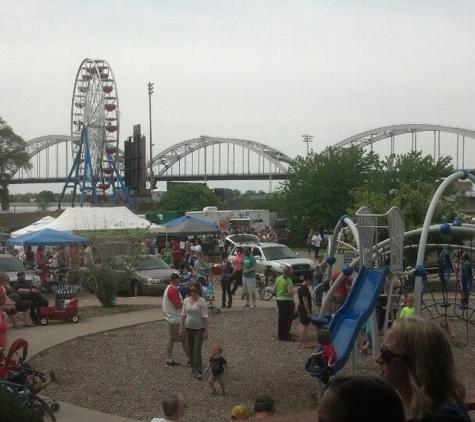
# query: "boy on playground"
219,369
408,310
326,357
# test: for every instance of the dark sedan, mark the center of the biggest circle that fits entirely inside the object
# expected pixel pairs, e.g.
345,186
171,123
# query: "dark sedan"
150,274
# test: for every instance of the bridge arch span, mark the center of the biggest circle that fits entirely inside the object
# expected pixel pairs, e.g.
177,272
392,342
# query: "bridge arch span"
164,161
375,135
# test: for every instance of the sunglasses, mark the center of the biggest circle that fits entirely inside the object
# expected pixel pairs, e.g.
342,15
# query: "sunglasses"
193,291
387,355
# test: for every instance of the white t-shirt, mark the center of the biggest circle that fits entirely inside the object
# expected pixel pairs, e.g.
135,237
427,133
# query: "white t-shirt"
316,240
171,312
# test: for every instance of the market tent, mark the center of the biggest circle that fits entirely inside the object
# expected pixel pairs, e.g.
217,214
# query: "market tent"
98,218
47,237
189,226
37,225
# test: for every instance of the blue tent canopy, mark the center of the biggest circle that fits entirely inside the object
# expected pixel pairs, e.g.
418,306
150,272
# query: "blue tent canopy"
188,226
47,237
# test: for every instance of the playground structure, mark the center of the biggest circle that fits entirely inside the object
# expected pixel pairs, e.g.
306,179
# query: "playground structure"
95,171
346,324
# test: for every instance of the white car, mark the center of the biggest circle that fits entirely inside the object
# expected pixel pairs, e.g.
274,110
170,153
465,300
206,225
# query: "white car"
273,257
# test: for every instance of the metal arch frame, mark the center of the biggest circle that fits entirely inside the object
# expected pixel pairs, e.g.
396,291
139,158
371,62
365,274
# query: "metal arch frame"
36,145
172,155
375,135
44,142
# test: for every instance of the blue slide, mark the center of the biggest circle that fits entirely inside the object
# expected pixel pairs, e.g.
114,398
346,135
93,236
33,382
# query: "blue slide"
347,322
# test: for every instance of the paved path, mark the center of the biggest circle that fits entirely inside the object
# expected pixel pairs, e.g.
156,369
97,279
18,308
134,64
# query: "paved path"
57,332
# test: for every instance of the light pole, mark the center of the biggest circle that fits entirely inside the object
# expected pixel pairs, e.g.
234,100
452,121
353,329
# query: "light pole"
307,139
150,92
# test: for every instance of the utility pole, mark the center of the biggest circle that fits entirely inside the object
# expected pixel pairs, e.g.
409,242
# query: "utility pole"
151,176
307,139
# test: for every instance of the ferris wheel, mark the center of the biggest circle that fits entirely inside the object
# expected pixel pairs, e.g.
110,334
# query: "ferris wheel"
95,136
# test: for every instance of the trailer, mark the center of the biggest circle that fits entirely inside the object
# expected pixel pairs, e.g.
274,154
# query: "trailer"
240,220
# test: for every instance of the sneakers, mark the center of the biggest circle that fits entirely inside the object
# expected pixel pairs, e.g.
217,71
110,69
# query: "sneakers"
214,392
246,305
199,377
172,363
229,306
223,306
252,306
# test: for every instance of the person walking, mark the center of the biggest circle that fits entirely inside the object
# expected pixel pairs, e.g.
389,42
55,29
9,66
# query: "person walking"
227,271
194,318
316,243
172,306
238,258
249,277
309,242
305,310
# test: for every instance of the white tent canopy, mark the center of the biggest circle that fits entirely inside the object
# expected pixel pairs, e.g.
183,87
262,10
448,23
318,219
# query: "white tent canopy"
98,218
34,227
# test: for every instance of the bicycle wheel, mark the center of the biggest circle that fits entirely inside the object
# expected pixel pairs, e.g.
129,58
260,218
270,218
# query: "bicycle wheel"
267,293
38,400
42,413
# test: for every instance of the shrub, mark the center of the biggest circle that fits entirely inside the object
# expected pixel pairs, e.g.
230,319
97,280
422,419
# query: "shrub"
13,409
104,280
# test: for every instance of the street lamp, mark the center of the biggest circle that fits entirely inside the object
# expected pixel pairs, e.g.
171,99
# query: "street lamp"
150,92
307,139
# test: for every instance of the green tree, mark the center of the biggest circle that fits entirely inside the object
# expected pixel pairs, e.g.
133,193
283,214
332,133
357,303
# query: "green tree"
187,197
409,182
316,192
13,156
43,199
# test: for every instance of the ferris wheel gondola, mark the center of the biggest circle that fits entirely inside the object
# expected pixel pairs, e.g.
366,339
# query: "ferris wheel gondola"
95,136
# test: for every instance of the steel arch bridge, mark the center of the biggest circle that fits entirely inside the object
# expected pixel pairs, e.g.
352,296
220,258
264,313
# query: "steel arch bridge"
223,158
370,137
208,158
216,158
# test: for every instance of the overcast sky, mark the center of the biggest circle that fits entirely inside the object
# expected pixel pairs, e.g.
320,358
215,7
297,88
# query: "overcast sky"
269,71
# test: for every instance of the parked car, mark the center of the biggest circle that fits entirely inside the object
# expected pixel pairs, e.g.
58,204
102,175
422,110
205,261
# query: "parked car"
151,274
273,257
11,265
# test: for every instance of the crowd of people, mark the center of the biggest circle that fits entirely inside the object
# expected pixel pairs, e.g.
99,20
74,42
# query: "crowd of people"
418,381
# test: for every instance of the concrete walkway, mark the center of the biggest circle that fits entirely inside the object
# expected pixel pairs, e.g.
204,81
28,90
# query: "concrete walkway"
57,332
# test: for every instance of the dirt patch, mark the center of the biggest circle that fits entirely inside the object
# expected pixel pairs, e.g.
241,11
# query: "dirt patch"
123,371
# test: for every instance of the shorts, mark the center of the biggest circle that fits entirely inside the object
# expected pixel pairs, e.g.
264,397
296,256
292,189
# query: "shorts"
173,330
248,286
304,319
220,379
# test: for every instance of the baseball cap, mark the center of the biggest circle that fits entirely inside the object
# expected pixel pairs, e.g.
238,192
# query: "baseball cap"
175,276
240,412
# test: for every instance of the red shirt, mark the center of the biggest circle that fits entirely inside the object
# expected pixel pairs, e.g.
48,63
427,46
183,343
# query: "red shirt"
328,351
176,252
238,258
174,295
344,287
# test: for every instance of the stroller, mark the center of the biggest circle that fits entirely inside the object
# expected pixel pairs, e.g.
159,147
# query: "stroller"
14,369
208,295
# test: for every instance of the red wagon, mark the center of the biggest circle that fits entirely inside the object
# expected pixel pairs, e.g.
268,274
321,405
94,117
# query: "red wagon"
65,306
